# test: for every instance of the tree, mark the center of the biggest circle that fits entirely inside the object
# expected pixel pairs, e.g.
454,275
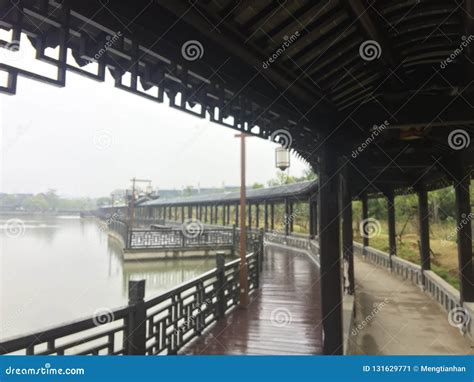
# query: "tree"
257,186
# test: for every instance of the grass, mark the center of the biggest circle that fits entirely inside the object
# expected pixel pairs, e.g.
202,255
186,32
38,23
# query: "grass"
444,260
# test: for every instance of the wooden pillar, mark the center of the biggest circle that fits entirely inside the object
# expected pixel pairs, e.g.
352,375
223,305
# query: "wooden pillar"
182,213
313,219
272,215
205,214
216,214
392,234
347,235
224,214
329,244
265,216
236,215
423,215
365,216
249,223
291,217
464,235
257,216
287,217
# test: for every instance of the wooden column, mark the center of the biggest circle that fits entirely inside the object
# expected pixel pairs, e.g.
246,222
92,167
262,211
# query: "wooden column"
423,215
182,213
249,223
464,235
291,217
347,235
216,214
330,269
286,218
272,215
257,216
265,216
224,215
236,215
365,215
392,235
313,217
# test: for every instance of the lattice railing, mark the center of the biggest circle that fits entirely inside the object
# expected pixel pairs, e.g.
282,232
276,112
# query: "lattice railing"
162,325
101,334
179,238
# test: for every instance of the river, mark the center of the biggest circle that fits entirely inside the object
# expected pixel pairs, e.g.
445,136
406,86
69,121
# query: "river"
56,269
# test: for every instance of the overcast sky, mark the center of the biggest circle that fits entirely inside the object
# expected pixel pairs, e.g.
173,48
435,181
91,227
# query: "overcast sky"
89,138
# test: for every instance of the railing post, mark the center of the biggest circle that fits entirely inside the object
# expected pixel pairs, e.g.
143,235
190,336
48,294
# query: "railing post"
135,334
128,242
220,293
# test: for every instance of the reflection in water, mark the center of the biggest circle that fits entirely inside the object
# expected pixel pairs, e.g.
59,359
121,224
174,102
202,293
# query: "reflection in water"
62,269
164,274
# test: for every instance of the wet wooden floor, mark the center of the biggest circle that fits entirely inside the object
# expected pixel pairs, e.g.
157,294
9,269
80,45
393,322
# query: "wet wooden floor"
283,316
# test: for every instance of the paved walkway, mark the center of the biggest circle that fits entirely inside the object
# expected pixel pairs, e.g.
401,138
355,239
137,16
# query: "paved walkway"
283,315
396,317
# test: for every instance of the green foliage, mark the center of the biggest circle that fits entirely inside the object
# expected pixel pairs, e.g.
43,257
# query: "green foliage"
257,186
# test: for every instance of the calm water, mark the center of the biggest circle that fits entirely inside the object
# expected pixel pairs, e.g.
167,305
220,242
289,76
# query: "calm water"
60,269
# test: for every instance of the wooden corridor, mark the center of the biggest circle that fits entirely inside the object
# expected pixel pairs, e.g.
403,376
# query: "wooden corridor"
283,316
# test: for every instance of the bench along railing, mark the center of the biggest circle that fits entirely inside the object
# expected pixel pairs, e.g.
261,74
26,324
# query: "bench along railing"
162,325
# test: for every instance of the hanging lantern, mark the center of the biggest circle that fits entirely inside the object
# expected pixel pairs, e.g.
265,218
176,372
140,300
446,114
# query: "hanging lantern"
282,158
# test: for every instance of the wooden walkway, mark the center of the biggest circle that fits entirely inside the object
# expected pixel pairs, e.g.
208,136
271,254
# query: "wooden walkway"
283,316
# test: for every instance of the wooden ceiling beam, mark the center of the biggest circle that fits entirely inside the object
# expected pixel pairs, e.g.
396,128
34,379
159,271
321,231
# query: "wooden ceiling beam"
231,42
469,31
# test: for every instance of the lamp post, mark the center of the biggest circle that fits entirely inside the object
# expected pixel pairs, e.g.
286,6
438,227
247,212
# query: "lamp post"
243,296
